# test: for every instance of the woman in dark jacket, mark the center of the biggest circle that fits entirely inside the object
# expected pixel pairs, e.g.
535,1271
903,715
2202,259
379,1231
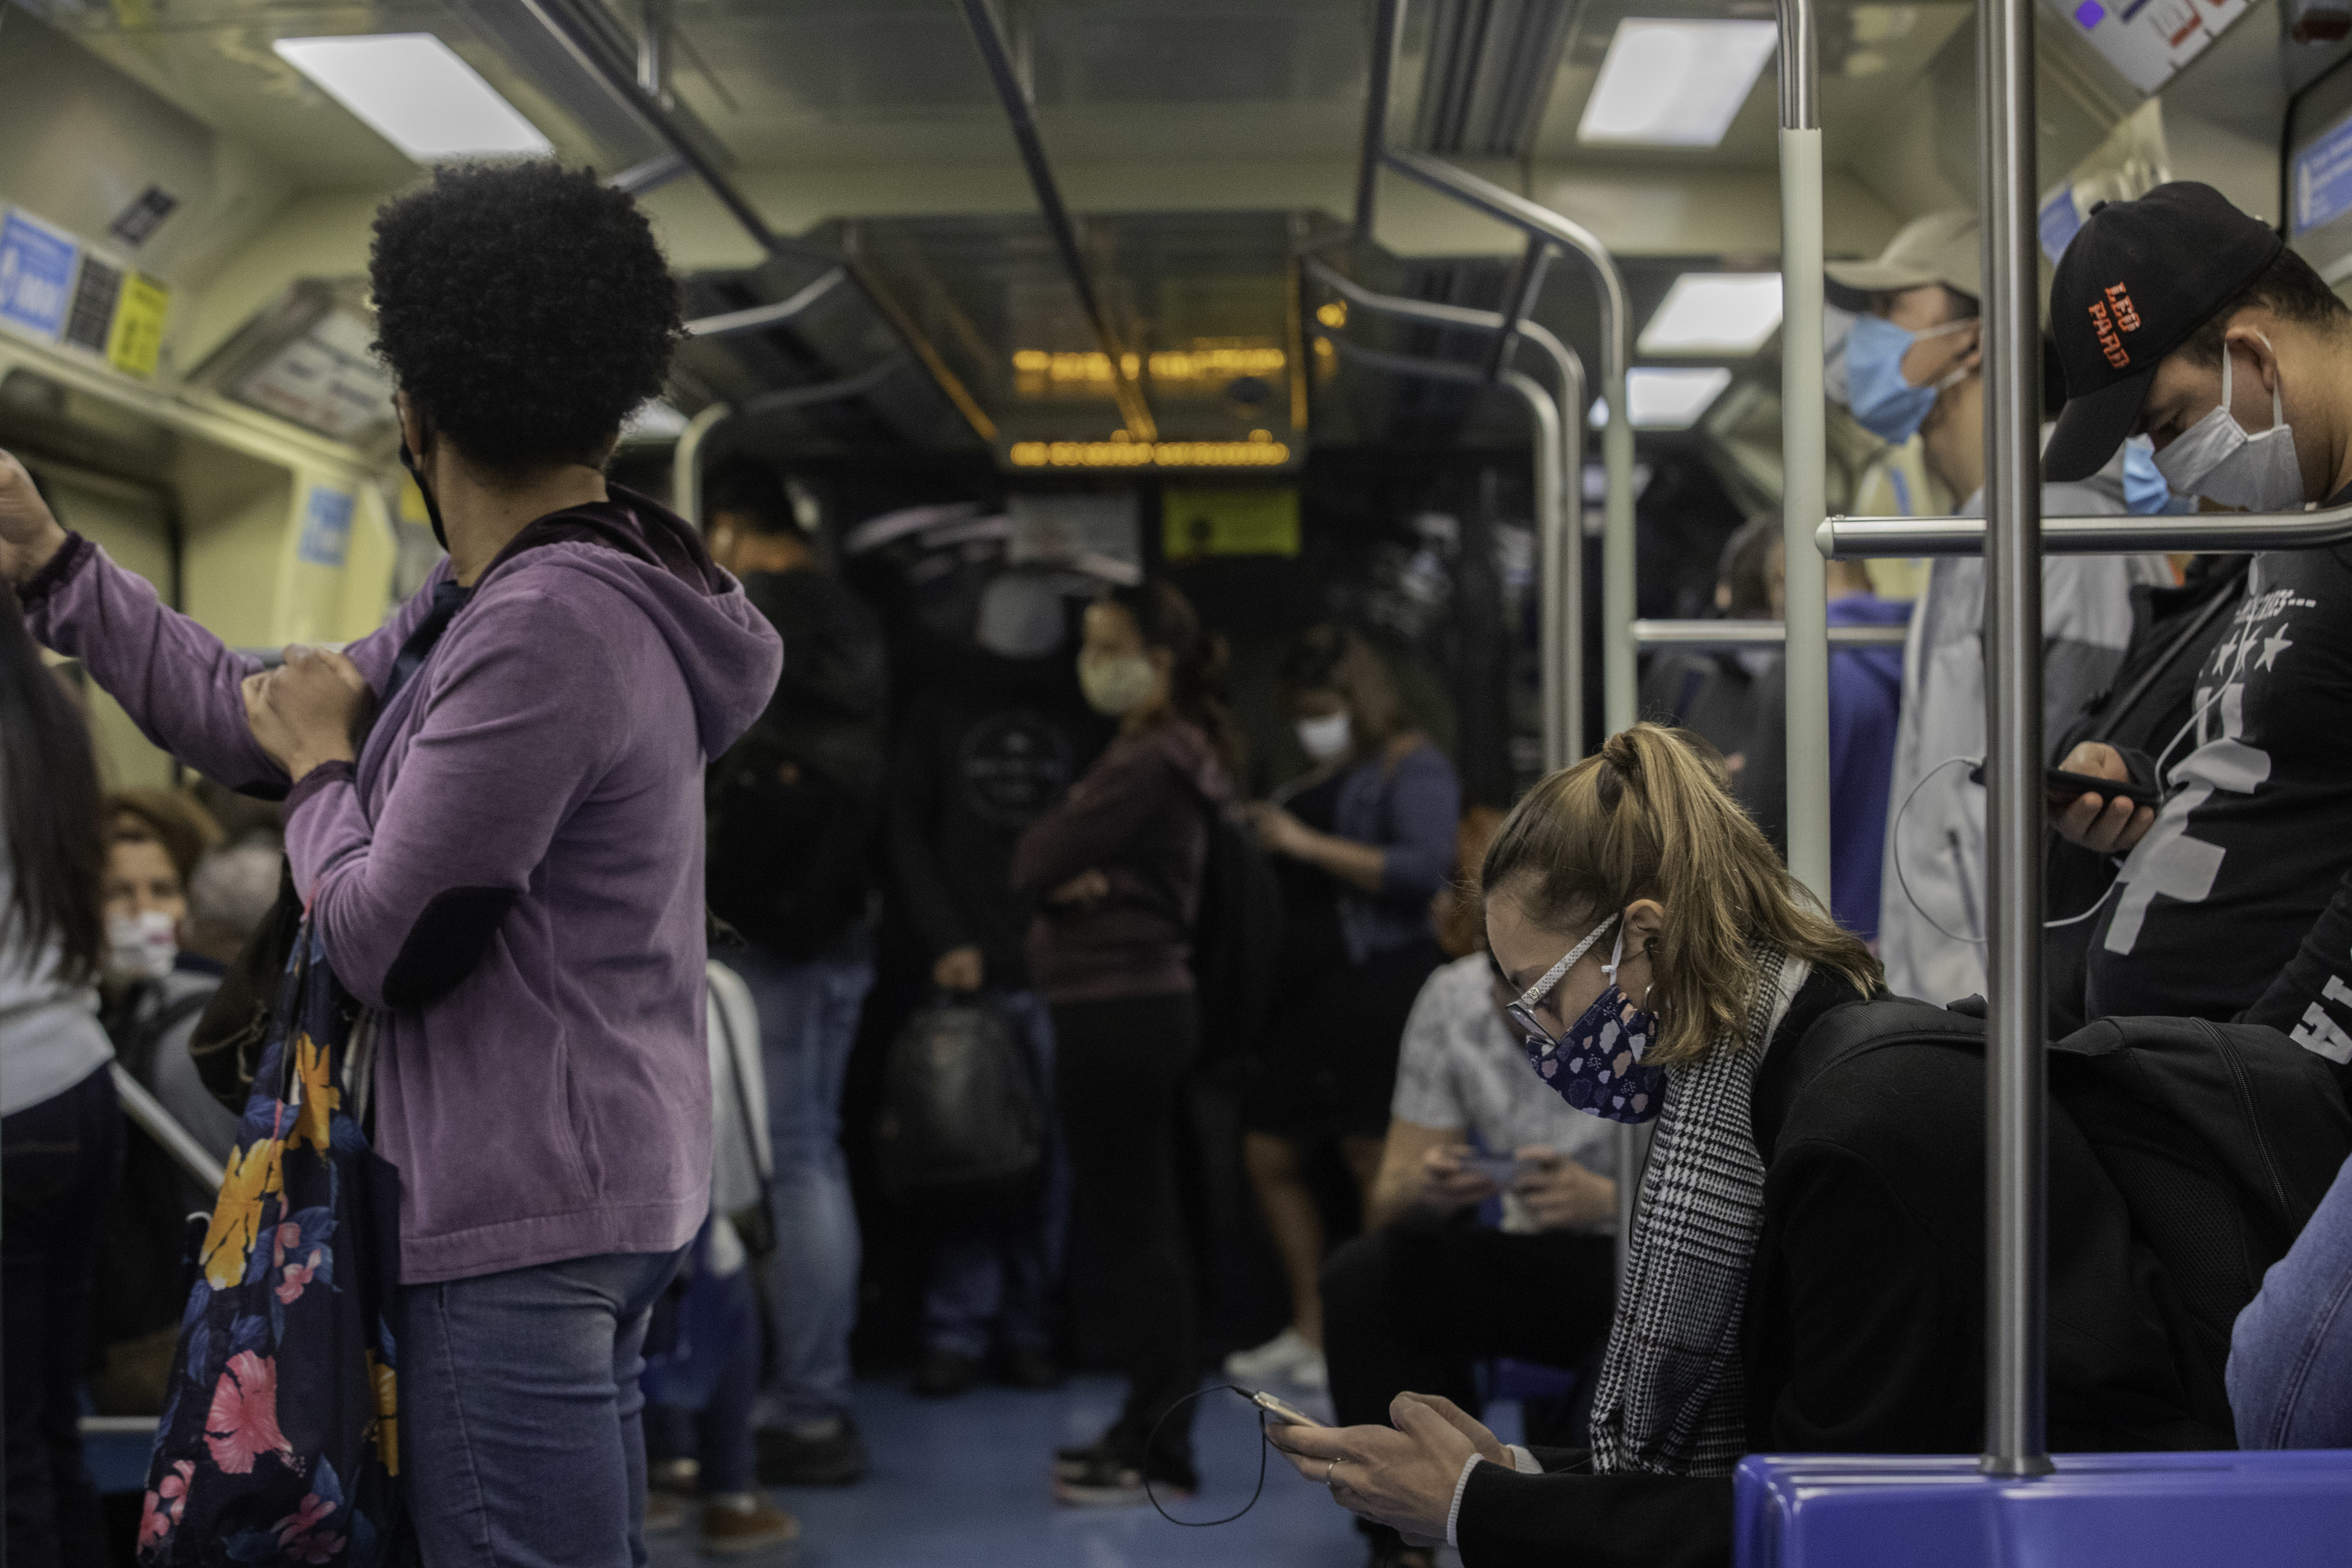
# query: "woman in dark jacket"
1118,866
1807,1271
1362,843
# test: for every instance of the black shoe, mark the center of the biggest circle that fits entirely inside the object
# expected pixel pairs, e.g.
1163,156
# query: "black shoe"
789,1459
1098,1477
1033,1369
944,1373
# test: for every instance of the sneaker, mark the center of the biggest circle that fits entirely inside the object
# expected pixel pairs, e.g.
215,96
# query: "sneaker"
664,1511
789,1459
944,1373
1278,1357
1105,1480
728,1529
1311,1372
1032,1369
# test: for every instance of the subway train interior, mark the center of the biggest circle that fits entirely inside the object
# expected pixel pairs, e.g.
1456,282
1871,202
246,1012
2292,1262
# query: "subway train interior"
1108,783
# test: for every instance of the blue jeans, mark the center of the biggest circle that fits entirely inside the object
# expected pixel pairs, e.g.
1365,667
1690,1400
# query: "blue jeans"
520,1439
2291,1350
699,1395
1001,1272
808,1022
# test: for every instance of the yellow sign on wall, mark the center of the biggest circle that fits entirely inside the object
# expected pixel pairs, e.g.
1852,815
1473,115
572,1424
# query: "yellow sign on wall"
136,339
1228,522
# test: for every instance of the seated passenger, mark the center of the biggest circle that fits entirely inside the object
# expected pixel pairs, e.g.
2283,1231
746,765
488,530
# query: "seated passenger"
1361,842
510,868
1807,1272
1434,1284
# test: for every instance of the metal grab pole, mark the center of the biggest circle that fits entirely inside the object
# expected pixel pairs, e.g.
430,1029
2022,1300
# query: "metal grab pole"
1569,402
172,1138
1803,421
2229,533
685,458
2016,1230
1757,634
753,318
1621,702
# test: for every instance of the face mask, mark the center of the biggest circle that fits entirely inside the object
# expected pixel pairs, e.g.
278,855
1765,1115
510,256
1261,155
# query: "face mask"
1115,686
142,947
1596,1063
2146,494
432,507
2216,459
1883,402
1326,738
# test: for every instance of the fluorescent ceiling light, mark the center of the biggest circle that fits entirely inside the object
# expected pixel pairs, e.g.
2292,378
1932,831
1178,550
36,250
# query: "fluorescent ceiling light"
1716,313
415,92
1664,399
1675,84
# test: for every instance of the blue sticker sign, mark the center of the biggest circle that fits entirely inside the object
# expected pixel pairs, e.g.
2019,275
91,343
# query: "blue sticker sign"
2061,220
326,527
37,269
2323,178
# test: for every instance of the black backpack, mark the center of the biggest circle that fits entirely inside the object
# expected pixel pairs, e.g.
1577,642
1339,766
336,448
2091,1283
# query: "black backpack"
1236,939
963,1125
790,844
2221,1139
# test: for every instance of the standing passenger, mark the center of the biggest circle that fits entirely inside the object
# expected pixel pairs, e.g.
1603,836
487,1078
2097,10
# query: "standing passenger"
62,1137
793,808
1365,840
1118,866
508,861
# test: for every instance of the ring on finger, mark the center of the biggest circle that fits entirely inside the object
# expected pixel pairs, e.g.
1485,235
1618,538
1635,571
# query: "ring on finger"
1327,1479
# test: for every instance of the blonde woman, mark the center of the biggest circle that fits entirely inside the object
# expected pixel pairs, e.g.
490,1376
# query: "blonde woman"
1806,1273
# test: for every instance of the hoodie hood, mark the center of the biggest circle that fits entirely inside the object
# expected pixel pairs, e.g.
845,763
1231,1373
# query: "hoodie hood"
728,654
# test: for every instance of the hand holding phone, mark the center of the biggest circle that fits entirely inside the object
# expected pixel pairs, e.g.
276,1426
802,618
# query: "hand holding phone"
2062,787
1287,1415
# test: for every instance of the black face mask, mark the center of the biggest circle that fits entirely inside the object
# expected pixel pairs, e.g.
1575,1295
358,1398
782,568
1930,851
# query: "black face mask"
432,507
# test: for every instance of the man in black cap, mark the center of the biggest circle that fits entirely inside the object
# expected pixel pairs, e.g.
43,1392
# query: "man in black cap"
2180,317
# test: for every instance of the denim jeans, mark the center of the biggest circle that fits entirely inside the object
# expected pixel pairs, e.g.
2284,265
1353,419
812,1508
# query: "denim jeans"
2291,1350
62,1157
808,1022
1001,1273
519,1438
699,1395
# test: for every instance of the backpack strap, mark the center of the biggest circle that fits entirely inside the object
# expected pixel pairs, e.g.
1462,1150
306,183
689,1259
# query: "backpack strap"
1838,1036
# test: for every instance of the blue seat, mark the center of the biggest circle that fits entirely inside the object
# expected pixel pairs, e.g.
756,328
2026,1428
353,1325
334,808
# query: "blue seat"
2099,1511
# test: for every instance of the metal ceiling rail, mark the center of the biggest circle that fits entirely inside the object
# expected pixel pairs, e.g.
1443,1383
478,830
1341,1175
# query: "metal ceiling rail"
1388,21
564,21
1559,613
753,318
1804,486
2227,533
1014,93
1619,690
1569,403
1757,634
685,458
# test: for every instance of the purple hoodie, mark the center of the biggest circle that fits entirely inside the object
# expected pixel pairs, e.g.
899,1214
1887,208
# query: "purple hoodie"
534,793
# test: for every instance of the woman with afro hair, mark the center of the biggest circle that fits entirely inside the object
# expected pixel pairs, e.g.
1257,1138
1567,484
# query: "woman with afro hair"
493,808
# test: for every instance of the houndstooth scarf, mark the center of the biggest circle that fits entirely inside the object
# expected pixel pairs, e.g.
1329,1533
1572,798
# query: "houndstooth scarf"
1672,1399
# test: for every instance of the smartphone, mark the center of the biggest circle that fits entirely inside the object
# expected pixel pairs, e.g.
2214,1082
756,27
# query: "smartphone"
2061,788
1500,1169
1281,1412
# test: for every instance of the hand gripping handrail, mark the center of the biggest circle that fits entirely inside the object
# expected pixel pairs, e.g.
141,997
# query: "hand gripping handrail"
2227,533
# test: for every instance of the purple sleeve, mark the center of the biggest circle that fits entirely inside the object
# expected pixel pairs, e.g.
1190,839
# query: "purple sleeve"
512,743
1425,806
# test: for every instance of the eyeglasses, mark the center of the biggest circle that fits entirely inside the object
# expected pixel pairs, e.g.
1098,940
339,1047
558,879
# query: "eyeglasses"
1523,1011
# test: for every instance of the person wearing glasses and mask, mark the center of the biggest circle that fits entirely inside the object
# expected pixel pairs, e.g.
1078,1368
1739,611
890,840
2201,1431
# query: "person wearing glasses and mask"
1910,363
1806,1271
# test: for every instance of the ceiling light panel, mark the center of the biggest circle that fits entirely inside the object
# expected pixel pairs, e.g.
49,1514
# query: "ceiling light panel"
1667,399
417,94
1675,83
1716,313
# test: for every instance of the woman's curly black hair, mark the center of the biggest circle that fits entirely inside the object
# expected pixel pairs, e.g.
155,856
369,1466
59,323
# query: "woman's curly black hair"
525,308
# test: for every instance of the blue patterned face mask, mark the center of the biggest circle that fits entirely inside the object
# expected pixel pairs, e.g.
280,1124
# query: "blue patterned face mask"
1596,1062
1883,402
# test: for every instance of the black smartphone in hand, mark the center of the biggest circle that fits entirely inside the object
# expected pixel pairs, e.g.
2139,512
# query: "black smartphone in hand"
2061,788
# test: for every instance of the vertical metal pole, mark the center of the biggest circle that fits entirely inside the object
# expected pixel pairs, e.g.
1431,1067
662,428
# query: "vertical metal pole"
1520,290
1804,497
653,51
1554,618
686,462
1620,684
1387,22
2015,1139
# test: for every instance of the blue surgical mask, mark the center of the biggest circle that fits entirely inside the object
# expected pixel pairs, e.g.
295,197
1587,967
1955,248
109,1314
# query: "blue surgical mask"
1596,1062
2146,494
1883,402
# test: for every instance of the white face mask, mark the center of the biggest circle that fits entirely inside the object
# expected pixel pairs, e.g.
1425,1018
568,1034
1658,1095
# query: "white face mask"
142,947
1325,738
2216,459
1118,685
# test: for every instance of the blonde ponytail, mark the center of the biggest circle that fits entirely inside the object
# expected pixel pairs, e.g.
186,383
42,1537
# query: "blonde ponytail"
1649,818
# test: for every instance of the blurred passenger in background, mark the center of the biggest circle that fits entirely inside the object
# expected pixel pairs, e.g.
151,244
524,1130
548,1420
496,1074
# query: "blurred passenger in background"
61,1139
508,869
795,805
1116,867
1361,842
1437,1280
981,755
1720,693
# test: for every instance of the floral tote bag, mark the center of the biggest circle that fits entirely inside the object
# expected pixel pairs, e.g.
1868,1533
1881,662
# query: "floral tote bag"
279,1440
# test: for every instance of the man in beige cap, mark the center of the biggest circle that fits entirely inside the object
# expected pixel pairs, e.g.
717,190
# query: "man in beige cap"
1911,363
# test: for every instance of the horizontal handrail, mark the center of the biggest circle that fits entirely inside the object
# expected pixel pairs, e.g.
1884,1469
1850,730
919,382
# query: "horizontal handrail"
753,317
1756,635
2227,533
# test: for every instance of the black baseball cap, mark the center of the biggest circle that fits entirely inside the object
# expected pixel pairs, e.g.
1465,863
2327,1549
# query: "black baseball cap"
2134,283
